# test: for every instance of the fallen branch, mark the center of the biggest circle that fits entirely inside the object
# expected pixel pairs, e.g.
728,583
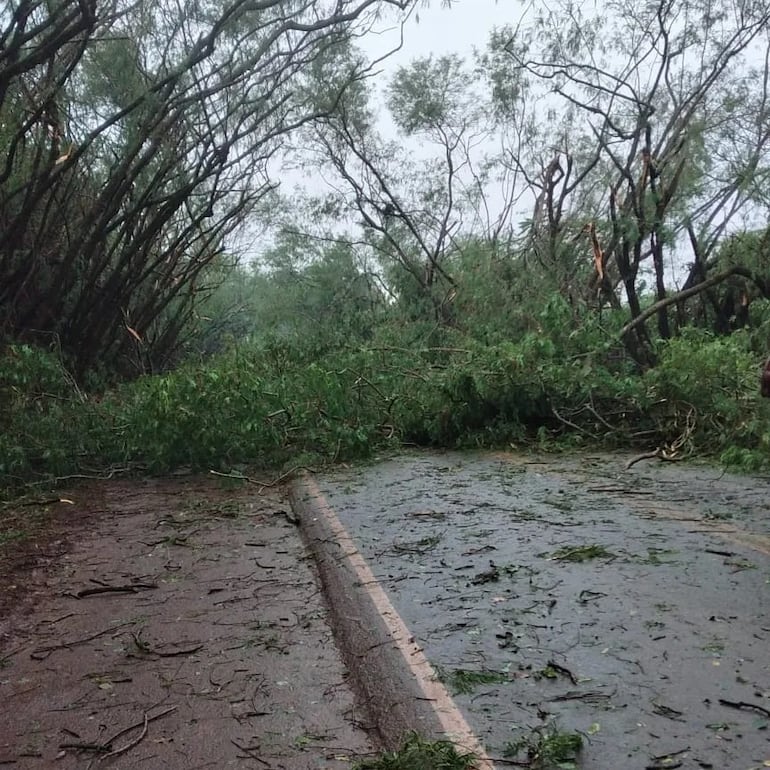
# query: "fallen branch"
176,653
105,475
683,295
41,653
98,748
601,419
143,724
670,452
249,752
130,588
131,744
44,501
644,456
591,696
665,759
147,649
573,425
257,482
744,706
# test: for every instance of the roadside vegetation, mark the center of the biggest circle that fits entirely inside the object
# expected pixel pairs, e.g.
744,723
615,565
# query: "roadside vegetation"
420,754
546,749
565,243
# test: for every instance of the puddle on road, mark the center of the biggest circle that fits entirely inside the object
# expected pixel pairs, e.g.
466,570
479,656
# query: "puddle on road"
629,606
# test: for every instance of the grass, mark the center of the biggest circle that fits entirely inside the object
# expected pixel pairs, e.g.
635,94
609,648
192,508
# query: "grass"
463,682
546,749
420,754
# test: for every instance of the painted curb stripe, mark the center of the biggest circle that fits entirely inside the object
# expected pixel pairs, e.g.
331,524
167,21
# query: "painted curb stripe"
449,715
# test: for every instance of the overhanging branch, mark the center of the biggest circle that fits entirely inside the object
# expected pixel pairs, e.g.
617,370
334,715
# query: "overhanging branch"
692,291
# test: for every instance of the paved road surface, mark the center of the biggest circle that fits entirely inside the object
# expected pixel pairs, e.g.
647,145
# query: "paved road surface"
656,646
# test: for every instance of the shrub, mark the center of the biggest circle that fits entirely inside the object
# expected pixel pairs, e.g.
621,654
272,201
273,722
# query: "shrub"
273,402
709,385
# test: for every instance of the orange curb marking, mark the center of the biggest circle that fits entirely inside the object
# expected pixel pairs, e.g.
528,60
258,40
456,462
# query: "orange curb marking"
452,721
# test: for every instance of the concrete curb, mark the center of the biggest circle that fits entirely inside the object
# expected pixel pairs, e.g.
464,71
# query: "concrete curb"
389,668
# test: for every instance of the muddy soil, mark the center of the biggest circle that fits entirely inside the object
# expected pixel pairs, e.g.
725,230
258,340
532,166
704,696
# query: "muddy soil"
170,624
630,606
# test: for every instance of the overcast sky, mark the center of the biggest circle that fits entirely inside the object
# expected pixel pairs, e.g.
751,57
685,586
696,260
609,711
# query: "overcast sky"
446,30
433,30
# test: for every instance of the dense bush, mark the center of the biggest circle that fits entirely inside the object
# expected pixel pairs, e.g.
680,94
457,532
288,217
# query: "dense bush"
277,403
710,385
43,415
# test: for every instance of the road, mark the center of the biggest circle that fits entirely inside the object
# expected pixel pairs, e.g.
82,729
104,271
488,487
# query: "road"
568,594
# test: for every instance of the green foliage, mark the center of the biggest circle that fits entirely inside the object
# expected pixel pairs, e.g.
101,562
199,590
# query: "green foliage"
314,297
28,376
429,94
420,754
747,460
507,84
712,383
43,416
331,80
750,249
547,749
322,399
463,682
431,322
225,313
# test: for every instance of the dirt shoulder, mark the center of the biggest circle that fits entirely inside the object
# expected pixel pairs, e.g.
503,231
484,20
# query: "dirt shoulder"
170,623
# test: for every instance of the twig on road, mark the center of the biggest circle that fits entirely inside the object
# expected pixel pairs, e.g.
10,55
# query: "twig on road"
41,653
143,724
275,482
744,706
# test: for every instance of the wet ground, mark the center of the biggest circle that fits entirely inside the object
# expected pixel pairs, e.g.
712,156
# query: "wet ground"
169,624
630,606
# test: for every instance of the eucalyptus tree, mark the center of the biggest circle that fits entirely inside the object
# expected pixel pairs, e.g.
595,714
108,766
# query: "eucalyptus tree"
137,138
654,126
416,195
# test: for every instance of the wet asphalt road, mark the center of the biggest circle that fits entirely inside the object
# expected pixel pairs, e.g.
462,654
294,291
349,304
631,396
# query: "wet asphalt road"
655,647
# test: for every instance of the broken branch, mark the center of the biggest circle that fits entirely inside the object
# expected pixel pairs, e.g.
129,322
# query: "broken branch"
744,706
143,724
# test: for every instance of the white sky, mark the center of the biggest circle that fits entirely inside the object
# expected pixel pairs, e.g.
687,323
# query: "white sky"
446,30
436,30
433,30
